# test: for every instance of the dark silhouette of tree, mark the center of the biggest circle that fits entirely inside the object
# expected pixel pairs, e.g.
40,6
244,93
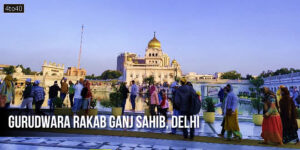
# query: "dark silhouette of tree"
231,75
9,70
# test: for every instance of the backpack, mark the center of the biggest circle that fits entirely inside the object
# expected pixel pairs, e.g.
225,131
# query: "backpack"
195,103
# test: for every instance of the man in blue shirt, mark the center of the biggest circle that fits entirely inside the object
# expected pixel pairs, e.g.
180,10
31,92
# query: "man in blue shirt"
133,94
38,94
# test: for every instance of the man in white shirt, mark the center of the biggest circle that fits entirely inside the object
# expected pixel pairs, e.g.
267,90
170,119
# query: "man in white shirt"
77,96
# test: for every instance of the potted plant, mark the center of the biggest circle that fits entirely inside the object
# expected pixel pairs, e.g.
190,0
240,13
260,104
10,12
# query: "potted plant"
58,107
92,111
257,105
209,107
115,102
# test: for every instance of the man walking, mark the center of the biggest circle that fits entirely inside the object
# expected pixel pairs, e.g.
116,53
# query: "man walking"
39,96
27,97
53,92
124,91
183,101
71,92
133,94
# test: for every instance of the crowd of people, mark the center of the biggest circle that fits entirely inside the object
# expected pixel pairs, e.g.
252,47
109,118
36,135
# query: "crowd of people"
158,97
279,110
80,95
279,115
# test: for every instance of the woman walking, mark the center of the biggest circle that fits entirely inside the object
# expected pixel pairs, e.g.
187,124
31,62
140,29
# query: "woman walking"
153,99
288,116
272,126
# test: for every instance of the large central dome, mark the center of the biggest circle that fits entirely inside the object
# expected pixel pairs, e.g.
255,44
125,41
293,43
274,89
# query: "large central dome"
154,43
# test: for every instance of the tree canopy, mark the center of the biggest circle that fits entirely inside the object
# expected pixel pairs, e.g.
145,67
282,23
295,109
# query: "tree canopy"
280,71
149,80
231,75
108,74
9,70
27,71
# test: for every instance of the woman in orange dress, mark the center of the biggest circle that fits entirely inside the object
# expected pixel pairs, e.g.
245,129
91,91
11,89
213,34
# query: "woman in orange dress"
272,126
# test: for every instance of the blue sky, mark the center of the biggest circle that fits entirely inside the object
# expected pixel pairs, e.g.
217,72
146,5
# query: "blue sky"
204,36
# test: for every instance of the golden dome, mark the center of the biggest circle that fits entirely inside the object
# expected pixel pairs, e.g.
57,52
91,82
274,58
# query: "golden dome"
154,43
174,61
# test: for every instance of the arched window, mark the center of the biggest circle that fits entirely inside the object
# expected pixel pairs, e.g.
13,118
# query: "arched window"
156,54
149,54
153,54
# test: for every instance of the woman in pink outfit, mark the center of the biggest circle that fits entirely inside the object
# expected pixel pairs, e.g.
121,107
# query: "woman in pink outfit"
153,99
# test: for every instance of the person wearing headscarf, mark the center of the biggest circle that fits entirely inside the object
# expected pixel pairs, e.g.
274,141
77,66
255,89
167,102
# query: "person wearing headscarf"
87,96
288,116
271,126
278,96
231,117
154,101
124,93
38,94
7,90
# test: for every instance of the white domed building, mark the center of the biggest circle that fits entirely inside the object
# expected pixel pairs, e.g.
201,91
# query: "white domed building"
155,63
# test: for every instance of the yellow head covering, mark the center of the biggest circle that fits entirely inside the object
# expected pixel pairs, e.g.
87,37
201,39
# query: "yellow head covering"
183,80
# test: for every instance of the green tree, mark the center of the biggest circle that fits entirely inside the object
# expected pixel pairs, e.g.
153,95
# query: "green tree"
9,70
26,71
280,71
92,77
257,82
149,80
231,75
249,77
110,74
256,103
